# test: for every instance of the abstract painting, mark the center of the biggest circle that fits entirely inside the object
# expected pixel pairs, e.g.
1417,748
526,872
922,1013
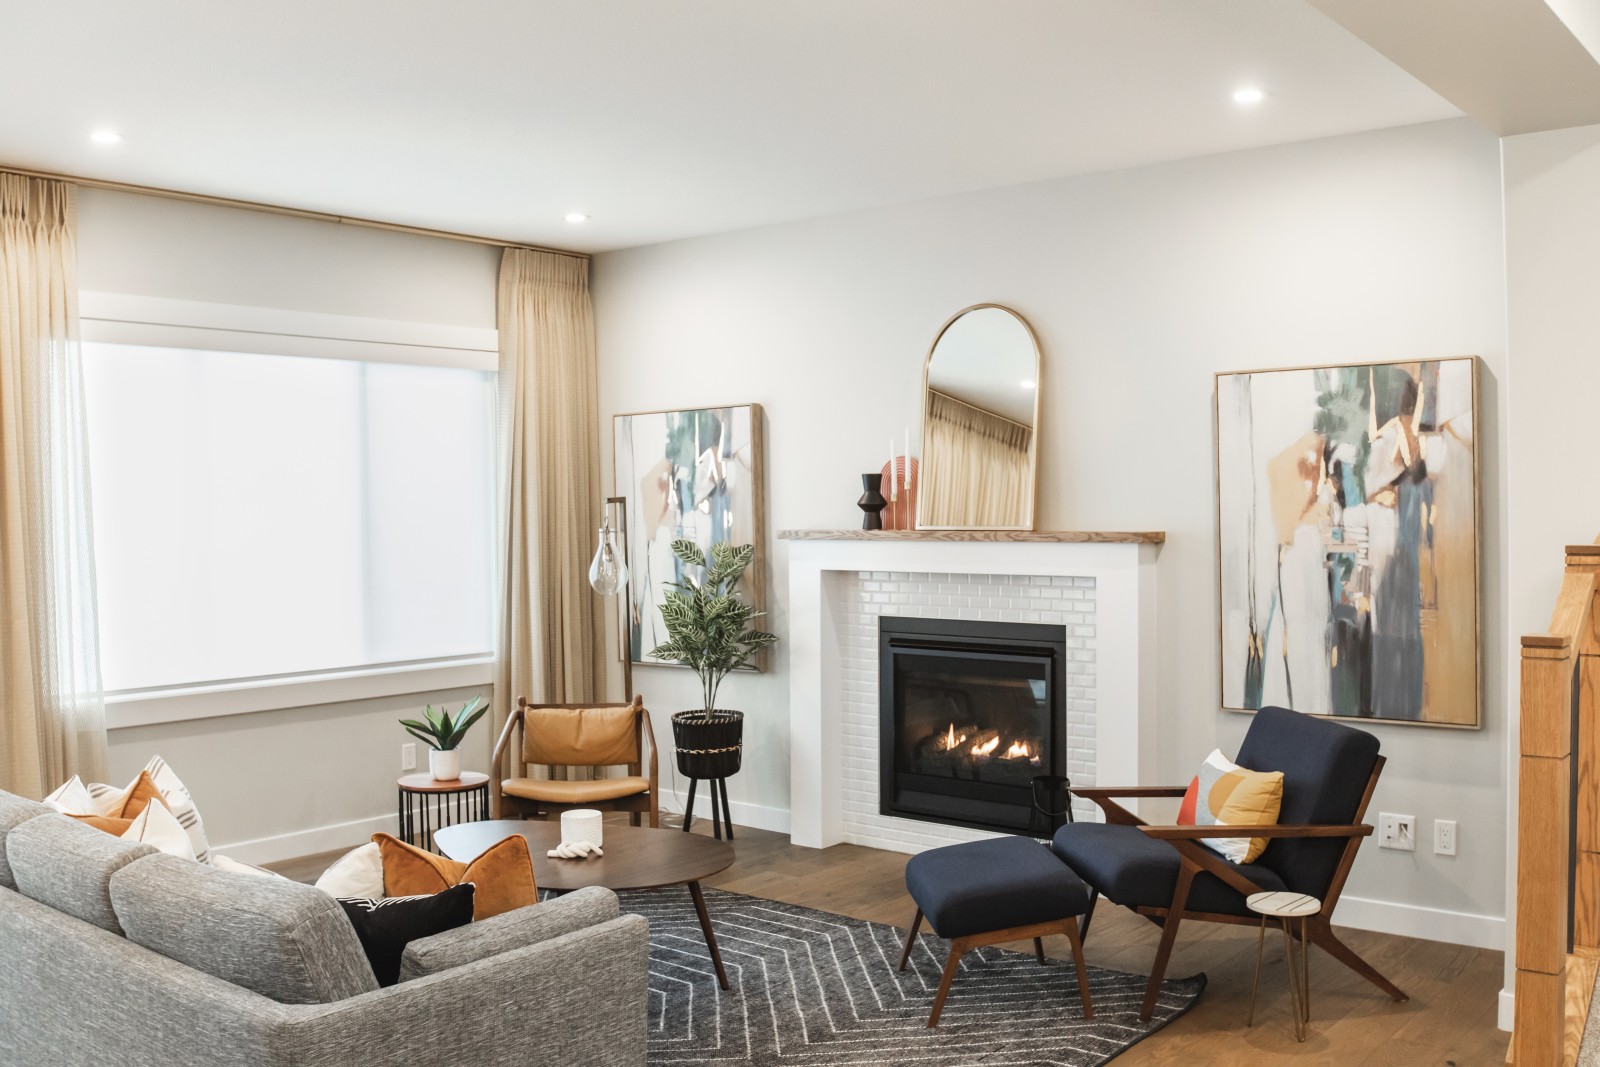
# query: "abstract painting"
1347,533
693,474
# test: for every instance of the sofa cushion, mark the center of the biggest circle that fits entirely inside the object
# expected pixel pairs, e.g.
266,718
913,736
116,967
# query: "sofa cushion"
358,873
503,873
282,939
14,811
387,925
980,886
1131,868
515,929
69,866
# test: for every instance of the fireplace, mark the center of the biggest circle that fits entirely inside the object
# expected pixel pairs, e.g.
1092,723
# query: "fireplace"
972,723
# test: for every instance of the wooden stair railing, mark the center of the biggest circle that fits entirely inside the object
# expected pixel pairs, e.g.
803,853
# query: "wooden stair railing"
1560,672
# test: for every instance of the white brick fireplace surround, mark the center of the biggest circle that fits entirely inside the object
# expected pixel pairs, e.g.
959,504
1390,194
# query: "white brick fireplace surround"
1100,586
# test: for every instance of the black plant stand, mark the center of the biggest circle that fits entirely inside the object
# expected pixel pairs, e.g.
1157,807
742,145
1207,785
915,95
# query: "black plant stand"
719,819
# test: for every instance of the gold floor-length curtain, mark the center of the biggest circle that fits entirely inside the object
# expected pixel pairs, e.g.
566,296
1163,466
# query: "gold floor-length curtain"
52,715
976,470
550,641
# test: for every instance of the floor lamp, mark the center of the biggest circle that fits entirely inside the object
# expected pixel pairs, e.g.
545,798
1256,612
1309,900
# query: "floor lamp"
608,574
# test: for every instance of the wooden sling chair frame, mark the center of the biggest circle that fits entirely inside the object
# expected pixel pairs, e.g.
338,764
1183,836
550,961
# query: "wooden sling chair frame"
1195,858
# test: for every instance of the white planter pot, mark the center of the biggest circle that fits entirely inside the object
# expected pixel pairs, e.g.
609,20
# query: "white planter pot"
446,766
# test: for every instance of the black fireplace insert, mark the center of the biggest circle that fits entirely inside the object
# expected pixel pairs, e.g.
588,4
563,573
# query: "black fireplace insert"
972,726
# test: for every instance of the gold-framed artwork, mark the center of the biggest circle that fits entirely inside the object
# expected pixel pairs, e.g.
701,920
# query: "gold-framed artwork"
694,473
1348,541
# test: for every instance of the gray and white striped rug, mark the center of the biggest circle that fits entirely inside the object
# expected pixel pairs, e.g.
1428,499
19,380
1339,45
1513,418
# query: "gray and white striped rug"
809,987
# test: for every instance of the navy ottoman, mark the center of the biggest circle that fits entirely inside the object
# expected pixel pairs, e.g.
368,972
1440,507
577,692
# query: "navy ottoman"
984,892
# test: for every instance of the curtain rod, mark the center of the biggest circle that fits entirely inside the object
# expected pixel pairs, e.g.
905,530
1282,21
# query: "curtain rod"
278,209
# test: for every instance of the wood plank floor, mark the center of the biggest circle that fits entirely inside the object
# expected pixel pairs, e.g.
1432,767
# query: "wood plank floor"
1449,1021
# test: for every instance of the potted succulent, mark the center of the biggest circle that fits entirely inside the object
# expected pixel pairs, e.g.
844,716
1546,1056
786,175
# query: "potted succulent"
442,733
709,631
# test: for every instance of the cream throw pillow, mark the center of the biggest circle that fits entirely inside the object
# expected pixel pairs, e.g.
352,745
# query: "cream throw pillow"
358,873
223,863
158,827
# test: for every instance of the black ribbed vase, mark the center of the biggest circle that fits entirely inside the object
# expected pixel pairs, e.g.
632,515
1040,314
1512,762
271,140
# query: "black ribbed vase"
708,748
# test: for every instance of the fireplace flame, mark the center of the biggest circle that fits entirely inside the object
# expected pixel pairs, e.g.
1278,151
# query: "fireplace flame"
951,739
1019,750
986,747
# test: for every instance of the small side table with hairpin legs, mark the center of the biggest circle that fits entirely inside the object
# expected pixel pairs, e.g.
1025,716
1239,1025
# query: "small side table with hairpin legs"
426,805
1286,907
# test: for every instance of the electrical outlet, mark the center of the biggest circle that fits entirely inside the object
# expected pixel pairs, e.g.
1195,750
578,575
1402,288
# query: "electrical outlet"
1398,832
408,756
1444,837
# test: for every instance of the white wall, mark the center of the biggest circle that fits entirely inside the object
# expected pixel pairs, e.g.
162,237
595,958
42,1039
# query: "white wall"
1141,285
1553,318
277,784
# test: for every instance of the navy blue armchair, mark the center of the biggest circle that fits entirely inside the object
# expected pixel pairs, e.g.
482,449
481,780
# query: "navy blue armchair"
1167,875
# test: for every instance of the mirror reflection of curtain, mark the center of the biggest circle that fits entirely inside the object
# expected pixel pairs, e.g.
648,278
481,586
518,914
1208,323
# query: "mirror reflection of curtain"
975,468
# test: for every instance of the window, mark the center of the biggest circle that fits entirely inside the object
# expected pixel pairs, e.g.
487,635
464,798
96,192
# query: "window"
261,515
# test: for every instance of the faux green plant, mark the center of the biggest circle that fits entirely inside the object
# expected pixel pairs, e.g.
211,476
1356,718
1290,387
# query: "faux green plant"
443,730
708,624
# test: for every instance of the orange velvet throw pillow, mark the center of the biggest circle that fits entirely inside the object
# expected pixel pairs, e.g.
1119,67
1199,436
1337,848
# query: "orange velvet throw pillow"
502,875
127,808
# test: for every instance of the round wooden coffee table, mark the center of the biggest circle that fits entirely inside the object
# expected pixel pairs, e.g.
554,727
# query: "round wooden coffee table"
635,857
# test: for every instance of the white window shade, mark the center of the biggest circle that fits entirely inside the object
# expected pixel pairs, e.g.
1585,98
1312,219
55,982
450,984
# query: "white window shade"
261,515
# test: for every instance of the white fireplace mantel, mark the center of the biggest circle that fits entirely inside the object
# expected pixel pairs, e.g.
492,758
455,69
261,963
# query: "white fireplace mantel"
1123,566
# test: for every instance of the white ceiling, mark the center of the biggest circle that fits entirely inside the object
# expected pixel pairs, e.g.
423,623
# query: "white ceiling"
663,119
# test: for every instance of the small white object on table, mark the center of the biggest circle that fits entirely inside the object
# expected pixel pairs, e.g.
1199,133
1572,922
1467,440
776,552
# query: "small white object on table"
1286,907
582,831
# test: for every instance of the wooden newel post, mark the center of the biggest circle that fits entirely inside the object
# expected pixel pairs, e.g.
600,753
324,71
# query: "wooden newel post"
1550,662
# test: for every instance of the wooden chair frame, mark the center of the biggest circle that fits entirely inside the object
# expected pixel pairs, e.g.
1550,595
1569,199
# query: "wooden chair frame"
637,806
960,946
1195,858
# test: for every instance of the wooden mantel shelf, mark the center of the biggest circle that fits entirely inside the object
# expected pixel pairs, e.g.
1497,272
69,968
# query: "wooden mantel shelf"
1143,537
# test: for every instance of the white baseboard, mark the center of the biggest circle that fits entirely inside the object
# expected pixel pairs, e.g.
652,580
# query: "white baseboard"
1508,1009
758,816
290,846
1431,924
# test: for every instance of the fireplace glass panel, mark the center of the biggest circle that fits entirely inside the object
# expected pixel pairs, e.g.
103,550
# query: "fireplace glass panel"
972,723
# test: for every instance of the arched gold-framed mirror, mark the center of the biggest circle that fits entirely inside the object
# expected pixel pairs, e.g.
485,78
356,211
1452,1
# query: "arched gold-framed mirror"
980,423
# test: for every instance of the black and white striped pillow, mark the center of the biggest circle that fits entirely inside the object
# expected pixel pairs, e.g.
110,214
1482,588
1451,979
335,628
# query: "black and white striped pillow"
387,925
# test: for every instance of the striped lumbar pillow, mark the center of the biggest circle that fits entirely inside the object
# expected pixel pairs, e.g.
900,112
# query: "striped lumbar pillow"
1229,795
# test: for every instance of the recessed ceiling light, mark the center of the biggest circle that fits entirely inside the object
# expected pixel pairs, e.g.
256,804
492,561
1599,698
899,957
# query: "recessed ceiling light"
106,137
1026,384
576,217
1249,94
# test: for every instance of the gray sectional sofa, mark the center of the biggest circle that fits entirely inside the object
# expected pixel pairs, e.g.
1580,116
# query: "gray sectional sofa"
111,952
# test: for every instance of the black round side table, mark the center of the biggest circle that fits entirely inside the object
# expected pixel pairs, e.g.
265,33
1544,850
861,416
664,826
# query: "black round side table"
427,805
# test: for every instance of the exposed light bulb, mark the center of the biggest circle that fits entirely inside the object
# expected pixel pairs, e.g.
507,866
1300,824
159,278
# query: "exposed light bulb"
607,572
105,137
1248,94
576,217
